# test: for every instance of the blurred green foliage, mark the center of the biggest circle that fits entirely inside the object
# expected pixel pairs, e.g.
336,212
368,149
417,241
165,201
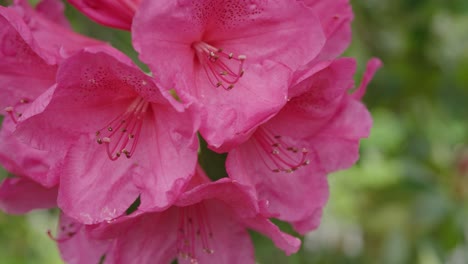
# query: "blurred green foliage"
406,199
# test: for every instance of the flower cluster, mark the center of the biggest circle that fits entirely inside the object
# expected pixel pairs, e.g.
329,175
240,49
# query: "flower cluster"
116,149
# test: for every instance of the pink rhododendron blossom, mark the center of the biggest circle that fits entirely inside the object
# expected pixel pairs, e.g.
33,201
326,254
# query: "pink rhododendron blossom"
121,136
317,132
236,57
112,13
207,224
77,246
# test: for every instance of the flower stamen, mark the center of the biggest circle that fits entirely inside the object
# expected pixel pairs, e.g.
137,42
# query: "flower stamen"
122,134
277,155
222,69
67,232
193,227
12,110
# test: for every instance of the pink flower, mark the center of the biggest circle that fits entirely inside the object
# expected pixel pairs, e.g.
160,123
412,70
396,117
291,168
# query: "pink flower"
317,132
112,13
236,57
122,138
207,224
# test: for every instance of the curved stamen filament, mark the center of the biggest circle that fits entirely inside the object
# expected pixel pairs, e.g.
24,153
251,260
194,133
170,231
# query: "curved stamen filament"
193,227
12,110
122,134
65,234
277,155
222,69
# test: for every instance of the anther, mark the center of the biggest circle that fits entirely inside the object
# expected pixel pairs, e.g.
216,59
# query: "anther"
221,68
121,134
277,155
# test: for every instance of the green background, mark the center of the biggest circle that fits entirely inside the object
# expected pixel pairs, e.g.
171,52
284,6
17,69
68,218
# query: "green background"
406,199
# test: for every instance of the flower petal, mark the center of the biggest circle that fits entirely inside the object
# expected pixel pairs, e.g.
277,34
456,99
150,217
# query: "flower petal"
337,144
92,89
77,246
287,243
292,196
92,187
372,66
25,71
21,195
318,99
336,17
150,238
229,117
54,39
25,161
118,14
230,242
54,11
167,155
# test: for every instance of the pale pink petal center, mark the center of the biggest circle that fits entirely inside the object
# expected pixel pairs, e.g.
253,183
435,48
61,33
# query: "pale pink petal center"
277,154
121,135
222,69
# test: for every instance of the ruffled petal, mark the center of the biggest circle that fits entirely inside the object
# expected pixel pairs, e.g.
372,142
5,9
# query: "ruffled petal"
118,14
25,161
25,71
92,90
238,197
337,144
21,195
283,31
229,242
92,187
77,246
57,41
287,243
150,238
293,185
229,117
54,10
318,98
336,17
167,155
